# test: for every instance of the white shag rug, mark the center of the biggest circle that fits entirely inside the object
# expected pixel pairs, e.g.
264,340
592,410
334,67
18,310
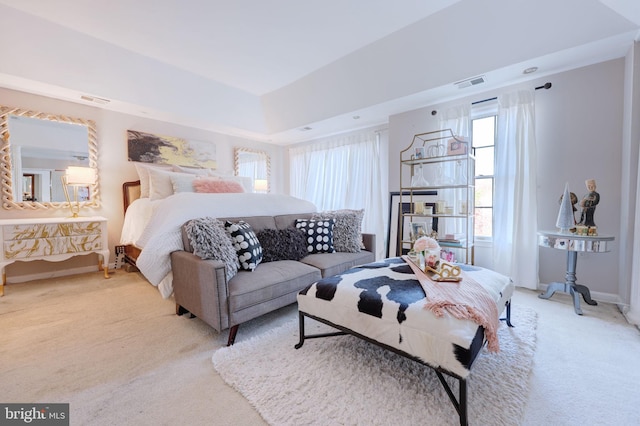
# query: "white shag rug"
347,381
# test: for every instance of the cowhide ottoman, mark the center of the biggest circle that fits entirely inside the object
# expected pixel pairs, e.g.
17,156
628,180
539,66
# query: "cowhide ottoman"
383,302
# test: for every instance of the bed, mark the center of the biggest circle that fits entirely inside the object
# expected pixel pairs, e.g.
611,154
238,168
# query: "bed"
384,303
152,227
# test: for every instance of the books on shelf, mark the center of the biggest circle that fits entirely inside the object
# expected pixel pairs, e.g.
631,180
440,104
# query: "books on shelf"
455,236
457,239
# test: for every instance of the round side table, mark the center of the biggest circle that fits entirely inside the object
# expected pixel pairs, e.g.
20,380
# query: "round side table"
573,244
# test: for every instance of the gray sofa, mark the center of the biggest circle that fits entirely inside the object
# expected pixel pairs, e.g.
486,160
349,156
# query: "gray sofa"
200,286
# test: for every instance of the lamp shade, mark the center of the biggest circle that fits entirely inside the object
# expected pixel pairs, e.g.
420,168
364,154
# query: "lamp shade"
260,185
80,176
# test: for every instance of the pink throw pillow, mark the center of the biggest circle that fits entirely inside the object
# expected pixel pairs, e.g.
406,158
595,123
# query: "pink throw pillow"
216,186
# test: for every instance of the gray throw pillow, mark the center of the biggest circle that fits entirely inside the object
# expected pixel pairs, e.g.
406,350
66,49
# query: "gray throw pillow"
347,235
210,241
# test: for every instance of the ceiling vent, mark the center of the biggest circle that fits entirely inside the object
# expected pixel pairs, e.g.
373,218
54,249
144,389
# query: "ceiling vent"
94,99
473,81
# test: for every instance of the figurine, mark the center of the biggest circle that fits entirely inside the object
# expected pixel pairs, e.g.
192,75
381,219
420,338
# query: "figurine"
589,203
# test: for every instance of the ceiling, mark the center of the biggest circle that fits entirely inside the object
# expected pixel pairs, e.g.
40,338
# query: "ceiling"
267,70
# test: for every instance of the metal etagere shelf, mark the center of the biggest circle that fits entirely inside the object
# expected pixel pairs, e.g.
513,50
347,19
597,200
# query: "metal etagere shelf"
442,165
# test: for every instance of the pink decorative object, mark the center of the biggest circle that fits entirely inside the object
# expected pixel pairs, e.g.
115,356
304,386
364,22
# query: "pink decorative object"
216,186
430,250
425,243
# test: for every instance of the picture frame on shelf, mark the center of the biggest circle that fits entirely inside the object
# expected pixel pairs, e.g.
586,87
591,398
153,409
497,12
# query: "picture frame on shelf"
418,229
400,225
418,153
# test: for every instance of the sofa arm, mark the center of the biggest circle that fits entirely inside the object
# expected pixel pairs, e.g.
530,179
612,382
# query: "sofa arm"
200,286
369,241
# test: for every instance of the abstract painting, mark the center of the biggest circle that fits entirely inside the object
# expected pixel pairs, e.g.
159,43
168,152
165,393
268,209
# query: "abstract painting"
150,148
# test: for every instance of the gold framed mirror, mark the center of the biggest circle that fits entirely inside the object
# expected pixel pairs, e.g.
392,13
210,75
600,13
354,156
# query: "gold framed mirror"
256,165
37,147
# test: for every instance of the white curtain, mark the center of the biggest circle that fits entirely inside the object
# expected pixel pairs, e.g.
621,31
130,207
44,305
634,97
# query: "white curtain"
342,173
515,248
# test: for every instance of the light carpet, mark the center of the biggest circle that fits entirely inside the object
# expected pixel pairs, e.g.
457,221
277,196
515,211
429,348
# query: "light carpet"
345,380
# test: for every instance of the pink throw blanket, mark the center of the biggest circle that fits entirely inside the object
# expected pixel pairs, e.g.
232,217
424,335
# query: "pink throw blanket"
466,299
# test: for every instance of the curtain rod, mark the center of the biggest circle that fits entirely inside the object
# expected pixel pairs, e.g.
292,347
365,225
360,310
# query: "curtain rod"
547,85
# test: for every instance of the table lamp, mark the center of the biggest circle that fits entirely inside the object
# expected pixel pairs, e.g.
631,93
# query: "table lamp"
261,185
77,177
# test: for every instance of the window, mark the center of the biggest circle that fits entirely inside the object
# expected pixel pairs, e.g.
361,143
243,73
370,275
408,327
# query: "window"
483,137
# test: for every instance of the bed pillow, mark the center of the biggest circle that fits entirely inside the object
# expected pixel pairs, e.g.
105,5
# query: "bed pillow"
182,182
216,186
318,234
209,240
282,244
160,183
246,244
347,235
191,170
143,174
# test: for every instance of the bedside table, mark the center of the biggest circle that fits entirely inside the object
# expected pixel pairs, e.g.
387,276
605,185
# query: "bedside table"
53,239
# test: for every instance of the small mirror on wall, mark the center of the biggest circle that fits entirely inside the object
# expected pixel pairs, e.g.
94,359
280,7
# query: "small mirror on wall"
256,165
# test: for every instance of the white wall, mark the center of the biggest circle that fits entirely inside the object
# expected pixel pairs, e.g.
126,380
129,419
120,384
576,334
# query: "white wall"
114,168
579,136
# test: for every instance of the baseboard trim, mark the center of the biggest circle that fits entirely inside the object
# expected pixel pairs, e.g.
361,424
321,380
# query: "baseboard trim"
55,274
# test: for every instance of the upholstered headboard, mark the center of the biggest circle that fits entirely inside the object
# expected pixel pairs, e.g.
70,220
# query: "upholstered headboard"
130,193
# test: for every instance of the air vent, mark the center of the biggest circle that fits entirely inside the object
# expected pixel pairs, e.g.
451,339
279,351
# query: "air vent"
94,99
470,82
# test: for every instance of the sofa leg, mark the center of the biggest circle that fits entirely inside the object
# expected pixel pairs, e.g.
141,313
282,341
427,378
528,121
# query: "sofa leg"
181,311
232,334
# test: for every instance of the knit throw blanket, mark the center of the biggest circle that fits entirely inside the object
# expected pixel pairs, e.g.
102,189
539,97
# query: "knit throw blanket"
466,299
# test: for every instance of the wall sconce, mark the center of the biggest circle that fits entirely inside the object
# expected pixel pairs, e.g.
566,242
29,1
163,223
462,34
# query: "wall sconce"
77,177
260,185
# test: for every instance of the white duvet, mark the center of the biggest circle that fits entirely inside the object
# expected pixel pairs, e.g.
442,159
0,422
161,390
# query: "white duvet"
162,234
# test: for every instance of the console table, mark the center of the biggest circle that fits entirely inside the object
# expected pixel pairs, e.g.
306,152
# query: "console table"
573,244
53,239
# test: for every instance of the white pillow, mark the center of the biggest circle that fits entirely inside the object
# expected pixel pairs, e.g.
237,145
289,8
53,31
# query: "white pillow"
192,170
182,182
143,174
160,184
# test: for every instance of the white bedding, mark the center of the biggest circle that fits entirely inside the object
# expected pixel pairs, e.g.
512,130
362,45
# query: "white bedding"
135,220
161,235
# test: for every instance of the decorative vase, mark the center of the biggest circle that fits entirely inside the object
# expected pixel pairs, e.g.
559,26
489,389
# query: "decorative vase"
431,258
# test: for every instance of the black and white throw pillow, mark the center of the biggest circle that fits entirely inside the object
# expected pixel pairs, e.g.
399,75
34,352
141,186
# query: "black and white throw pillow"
319,234
245,243
347,236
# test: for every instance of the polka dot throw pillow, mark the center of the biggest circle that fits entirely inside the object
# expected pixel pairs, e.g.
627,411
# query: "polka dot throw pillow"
318,234
245,243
